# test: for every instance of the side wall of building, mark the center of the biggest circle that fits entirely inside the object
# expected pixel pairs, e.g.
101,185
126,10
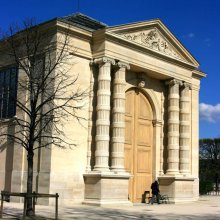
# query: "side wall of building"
68,165
55,170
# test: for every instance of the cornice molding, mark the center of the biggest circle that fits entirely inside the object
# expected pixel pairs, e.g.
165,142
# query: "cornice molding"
198,74
73,30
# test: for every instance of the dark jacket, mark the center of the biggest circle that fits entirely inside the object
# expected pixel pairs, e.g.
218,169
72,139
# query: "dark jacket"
155,188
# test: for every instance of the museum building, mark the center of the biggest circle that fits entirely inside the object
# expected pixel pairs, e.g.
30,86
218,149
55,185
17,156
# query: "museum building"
142,118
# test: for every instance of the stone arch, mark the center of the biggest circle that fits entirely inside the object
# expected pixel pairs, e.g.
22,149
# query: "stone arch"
152,99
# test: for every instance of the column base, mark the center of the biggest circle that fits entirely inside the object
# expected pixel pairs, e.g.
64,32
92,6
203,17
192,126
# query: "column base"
185,173
118,171
173,173
105,189
100,169
179,189
161,173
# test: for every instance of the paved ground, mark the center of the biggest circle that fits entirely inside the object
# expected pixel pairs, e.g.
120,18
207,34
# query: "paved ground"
207,208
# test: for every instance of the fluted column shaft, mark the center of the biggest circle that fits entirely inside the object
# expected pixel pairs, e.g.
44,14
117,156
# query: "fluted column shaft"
118,121
103,114
184,128
173,128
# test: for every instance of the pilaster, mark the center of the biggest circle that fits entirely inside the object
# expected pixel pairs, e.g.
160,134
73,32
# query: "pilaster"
90,119
162,135
118,121
157,150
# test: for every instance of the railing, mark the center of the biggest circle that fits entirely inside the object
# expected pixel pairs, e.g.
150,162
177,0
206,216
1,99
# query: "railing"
214,193
146,198
5,196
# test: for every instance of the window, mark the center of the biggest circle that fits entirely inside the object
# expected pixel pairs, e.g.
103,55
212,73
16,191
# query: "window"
8,92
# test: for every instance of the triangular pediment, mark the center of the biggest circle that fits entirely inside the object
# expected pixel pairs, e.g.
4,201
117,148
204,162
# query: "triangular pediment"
154,40
154,36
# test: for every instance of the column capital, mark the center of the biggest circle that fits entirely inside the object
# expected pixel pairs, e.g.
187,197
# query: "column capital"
104,60
173,82
91,62
186,85
123,65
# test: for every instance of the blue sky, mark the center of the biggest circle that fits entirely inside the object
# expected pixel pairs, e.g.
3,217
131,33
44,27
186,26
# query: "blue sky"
196,23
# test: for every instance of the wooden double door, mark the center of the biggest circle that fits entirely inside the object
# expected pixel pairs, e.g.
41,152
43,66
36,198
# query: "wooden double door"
138,143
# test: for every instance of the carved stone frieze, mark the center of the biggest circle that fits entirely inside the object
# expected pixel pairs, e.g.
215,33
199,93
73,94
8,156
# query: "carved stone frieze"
153,40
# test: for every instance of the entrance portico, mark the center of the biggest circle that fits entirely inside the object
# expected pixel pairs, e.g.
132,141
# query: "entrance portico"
145,129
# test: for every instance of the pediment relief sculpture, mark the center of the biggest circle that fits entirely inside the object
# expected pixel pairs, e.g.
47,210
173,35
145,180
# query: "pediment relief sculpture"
153,40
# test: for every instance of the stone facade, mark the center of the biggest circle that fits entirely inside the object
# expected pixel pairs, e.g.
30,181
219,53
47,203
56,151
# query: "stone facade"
163,77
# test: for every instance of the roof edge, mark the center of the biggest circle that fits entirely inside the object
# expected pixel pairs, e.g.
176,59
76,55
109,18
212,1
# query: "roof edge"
198,74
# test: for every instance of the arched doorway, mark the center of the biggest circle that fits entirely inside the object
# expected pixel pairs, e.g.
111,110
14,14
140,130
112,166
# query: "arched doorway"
138,143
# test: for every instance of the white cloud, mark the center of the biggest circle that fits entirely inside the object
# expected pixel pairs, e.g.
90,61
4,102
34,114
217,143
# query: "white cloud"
210,113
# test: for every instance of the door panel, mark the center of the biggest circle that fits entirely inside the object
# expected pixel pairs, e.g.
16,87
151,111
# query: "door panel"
138,143
143,133
129,165
144,158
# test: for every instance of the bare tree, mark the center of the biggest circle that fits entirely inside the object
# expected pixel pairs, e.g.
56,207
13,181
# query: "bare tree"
47,94
209,153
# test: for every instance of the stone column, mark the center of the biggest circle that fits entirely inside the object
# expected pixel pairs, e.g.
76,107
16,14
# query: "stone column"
118,121
103,114
173,128
184,128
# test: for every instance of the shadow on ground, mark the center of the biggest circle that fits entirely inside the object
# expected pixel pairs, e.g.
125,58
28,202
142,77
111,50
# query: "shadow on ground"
97,213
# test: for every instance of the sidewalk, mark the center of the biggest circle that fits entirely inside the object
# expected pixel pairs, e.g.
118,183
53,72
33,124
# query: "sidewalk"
207,208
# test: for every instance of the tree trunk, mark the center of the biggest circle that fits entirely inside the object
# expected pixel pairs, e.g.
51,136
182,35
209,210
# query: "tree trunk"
30,157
